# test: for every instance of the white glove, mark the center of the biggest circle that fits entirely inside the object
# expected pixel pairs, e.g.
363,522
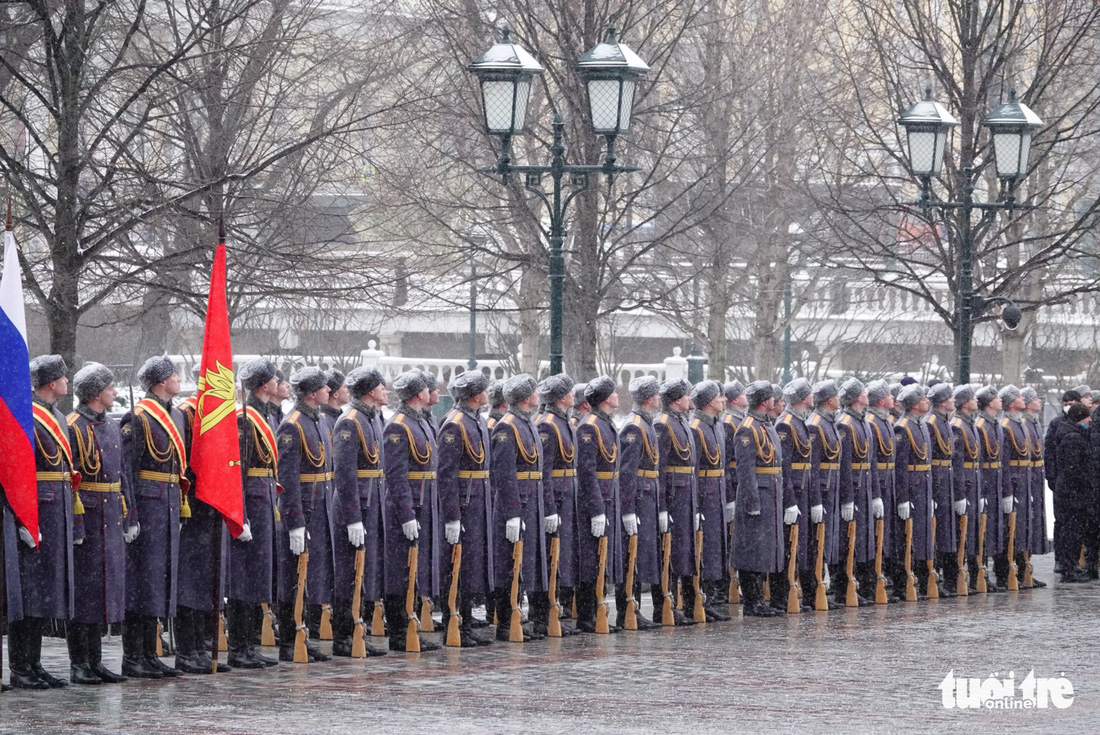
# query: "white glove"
131,533
878,510
903,511
730,508
411,529
981,505
246,533
78,542
512,529
935,506
960,507
550,523
817,514
599,523
662,521
357,535
452,531
297,540
790,515
25,535
847,511
630,524
1006,503
699,518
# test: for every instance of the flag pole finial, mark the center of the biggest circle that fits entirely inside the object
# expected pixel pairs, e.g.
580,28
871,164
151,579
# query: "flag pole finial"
7,222
221,231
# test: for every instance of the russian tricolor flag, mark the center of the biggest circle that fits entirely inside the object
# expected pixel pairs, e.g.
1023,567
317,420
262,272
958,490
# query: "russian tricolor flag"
17,474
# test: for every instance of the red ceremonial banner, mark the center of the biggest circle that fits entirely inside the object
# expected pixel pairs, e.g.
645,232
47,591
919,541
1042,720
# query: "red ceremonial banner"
215,454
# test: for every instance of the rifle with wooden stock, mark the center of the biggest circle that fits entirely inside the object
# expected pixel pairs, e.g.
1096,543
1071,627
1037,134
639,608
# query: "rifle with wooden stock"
960,560
910,577
1013,582
325,630
378,620
301,655
880,578
735,579
553,625
412,634
667,616
602,625
630,617
979,583
427,624
358,631
851,597
698,612
267,631
515,626
794,605
821,600
454,620
932,584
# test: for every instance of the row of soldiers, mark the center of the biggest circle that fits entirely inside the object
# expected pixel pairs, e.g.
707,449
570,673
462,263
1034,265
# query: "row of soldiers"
702,495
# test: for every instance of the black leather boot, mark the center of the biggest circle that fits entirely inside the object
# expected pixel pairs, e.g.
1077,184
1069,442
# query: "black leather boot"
94,642
150,649
20,653
134,663
80,668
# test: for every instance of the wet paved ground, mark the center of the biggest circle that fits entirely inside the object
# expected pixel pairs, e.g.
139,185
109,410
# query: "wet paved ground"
870,670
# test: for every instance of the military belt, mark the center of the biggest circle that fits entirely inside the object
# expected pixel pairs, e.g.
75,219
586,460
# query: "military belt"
797,466
652,474
970,465
420,475
885,465
991,465
769,470
472,474
370,474
919,467
531,475
260,472
680,469
568,472
607,475
941,463
1019,463
101,487
53,476
158,476
712,473
1037,463
861,465
315,477
829,465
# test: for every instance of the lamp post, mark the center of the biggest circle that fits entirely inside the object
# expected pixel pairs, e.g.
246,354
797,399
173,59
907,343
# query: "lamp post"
506,71
1011,127
794,230
472,362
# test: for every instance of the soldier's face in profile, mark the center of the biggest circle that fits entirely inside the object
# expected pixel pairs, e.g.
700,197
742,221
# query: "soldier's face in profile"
923,405
995,404
971,405
271,387
613,400
680,404
341,394
480,399
1035,406
171,385
284,390
379,395
948,406
567,401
